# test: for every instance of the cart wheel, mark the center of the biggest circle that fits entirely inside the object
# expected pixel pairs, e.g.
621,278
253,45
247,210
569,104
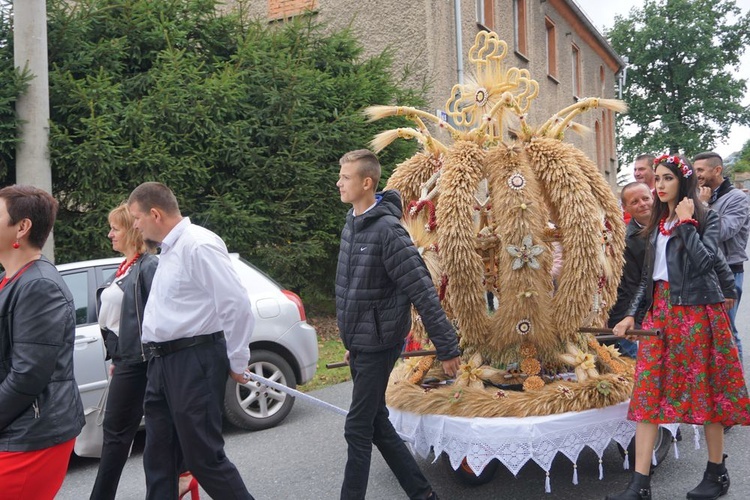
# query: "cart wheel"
661,447
465,475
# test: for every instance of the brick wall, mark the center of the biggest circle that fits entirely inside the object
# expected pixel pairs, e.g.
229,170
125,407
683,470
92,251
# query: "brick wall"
278,9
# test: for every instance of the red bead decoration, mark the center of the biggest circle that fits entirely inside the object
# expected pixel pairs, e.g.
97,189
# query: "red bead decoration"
668,232
125,265
16,245
692,222
662,229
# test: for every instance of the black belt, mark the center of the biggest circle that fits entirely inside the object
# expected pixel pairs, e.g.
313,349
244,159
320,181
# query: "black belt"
159,349
737,268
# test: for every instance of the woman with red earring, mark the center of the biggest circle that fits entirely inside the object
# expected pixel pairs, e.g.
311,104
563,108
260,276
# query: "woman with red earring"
40,407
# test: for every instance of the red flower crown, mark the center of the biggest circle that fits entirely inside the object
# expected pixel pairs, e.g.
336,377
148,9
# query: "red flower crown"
676,161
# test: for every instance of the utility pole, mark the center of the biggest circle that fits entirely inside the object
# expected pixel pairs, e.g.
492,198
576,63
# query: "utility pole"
30,53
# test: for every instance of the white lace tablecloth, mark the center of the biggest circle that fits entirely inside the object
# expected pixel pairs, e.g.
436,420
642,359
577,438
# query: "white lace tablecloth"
514,441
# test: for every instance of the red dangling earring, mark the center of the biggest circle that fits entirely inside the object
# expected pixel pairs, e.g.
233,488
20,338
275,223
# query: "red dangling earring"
16,244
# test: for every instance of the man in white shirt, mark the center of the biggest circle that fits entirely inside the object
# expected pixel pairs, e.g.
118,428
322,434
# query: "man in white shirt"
196,326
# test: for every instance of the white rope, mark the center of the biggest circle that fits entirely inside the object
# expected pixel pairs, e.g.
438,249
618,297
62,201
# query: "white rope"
294,392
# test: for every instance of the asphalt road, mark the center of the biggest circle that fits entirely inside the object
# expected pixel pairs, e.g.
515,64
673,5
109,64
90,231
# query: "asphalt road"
304,459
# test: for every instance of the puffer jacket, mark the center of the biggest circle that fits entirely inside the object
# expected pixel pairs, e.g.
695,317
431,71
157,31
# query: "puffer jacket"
39,401
126,347
380,274
693,258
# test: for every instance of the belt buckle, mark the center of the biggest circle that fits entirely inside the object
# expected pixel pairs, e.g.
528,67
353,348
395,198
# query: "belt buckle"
156,351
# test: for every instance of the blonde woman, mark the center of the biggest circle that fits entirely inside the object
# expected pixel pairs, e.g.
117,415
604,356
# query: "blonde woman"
120,304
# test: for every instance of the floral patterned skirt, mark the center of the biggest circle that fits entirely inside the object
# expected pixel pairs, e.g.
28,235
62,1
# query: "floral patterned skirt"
692,373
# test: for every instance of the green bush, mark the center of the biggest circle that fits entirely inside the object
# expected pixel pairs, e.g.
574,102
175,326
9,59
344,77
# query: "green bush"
244,121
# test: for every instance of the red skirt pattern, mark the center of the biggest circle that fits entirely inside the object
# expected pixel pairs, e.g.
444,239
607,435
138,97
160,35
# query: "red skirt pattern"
692,373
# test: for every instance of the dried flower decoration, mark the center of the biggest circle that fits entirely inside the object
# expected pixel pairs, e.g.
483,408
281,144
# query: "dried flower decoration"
525,254
533,383
523,327
481,96
531,366
528,350
516,182
456,396
604,387
583,363
500,394
565,391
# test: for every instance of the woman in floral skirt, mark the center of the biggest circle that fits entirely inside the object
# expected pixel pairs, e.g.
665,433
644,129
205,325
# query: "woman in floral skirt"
692,373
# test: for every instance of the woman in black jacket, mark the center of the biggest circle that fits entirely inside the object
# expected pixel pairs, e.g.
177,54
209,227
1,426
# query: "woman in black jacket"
692,374
40,407
120,308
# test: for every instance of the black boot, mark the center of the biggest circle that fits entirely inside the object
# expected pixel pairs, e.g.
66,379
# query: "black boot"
715,482
638,489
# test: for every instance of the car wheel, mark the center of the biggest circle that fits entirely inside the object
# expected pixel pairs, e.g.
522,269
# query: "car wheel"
465,475
661,447
254,406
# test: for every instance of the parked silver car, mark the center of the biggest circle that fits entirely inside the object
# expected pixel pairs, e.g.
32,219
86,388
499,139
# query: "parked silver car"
283,347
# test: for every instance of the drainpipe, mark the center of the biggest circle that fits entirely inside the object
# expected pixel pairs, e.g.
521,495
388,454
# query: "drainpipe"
459,44
622,75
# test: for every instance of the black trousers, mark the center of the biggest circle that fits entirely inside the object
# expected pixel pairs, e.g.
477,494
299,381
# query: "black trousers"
122,418
184,396
367,424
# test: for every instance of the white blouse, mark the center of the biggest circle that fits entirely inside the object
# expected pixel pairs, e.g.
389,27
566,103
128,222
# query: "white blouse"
660,259
111,307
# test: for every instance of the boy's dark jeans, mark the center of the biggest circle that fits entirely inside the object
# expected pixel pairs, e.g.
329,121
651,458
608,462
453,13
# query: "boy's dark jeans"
367,424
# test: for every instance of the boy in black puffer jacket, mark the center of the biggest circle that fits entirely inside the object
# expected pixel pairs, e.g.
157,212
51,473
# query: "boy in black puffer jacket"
379,275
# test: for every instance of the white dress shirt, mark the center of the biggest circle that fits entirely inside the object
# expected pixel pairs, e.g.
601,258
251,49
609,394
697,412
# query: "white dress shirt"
196,291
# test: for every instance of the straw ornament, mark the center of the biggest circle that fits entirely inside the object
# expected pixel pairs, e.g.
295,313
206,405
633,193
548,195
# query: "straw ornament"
488,214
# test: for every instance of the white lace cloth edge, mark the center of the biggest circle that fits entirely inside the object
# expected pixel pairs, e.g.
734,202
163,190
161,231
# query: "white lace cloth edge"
515,441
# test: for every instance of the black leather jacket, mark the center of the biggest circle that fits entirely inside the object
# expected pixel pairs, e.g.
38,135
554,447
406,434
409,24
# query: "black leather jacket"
136,285
39,401
693,259
379,275
635,250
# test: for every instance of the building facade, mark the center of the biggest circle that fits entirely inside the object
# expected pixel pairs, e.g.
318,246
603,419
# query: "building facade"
553,39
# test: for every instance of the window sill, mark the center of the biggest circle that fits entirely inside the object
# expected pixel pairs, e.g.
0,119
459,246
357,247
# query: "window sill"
554,79
521,55
484,27
286,17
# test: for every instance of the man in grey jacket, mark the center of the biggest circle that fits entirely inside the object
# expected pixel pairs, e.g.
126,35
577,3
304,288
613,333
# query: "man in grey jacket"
379,275
717,192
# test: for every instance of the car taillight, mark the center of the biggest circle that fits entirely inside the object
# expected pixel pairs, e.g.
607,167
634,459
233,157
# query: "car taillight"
295,298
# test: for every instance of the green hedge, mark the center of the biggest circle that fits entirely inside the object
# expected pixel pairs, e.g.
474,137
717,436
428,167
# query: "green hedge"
244,121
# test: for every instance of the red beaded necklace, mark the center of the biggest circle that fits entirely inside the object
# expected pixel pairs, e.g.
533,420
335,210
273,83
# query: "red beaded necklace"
663,230
125,265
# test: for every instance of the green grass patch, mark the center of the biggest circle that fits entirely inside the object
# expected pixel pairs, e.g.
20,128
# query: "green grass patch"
329,351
